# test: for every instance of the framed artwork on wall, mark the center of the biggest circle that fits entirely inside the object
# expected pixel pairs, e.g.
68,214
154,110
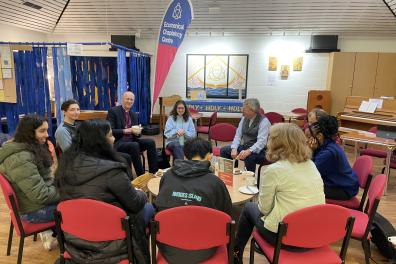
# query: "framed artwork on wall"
217,75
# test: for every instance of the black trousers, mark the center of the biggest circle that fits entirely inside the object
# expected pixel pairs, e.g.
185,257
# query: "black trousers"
335,193
134,147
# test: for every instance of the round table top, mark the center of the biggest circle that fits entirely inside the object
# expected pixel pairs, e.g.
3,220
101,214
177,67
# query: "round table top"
236,196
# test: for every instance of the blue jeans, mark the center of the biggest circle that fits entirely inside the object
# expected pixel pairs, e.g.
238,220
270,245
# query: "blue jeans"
177,149
250,161
43,215
148,213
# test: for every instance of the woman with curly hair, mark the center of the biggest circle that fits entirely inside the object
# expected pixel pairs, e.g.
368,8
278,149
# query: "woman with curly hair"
340,181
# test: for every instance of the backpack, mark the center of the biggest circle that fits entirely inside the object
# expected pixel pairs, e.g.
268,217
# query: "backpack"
380,231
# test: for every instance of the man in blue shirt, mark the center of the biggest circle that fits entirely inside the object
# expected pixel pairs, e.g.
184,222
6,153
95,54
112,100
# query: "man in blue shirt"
251,136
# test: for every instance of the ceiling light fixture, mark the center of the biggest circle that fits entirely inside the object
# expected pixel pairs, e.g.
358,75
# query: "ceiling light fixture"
29,4
391,4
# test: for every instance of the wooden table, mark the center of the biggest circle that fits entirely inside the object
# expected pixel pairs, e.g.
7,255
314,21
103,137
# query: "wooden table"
370,138
236,196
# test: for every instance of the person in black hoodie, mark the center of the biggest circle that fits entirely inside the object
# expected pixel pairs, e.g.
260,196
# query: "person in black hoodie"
91,169
191,182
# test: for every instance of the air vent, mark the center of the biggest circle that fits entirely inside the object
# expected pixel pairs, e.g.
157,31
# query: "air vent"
29,4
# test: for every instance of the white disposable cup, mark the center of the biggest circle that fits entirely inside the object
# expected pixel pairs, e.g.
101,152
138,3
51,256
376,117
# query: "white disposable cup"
250,181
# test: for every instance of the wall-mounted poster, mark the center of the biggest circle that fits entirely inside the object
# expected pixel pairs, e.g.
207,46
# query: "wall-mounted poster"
297,63
272,64
285,71
217,75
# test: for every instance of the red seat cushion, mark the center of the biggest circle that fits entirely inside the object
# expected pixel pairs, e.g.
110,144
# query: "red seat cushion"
31,227
216,151
221,256
323,255
352,203
203,129
373,153
359,227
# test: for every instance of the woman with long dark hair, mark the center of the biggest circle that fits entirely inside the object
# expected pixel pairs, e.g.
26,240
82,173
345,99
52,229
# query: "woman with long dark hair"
340,181
91,169
26,162
178,128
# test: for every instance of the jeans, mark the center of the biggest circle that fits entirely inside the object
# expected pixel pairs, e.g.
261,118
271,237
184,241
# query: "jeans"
43,215
250,161
133,148
148,213
177,149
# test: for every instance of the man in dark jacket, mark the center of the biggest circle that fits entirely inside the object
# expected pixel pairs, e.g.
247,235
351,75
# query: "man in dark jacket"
191,182
125,127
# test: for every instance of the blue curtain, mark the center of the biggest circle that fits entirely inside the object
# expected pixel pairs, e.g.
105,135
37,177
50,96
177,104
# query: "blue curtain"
94,82
62,79
122,74
139,83
31,86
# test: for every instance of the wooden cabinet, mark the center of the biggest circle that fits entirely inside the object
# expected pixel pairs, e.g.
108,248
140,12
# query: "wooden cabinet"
364,74
367,74
385,82
340,79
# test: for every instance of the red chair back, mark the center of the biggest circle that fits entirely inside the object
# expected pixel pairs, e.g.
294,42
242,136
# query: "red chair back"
299,111
7,192
192,110
375,192
373,130
222,132
213,119
192,227
315,226
274,117
363,167
91,220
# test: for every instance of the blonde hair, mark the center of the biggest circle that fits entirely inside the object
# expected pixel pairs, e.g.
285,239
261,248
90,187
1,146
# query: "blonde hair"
287,142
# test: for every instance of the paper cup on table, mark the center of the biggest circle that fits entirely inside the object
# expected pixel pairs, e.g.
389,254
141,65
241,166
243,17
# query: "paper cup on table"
250,181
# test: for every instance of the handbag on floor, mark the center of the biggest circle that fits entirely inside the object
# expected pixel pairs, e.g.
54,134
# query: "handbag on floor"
380,231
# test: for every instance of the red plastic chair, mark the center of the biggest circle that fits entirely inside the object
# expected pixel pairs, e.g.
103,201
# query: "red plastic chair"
274,117
93,221
363,167
314,227
22,228
194,228
364,220
222,132
206,129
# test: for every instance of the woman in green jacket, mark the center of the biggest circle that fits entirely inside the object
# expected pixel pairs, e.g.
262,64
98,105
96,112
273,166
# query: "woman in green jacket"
26,163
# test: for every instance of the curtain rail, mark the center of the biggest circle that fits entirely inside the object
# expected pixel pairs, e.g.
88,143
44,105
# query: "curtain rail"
83,43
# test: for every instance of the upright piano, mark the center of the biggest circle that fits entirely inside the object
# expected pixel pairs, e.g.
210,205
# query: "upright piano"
351,117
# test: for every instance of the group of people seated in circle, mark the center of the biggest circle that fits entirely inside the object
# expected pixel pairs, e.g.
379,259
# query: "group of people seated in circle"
306,166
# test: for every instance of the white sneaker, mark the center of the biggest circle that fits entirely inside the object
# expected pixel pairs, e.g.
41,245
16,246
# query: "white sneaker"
49,242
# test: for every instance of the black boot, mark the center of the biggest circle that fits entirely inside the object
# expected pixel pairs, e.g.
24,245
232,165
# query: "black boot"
238,256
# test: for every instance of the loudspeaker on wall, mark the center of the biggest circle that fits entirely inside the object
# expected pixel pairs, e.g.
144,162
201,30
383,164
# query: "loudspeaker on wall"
318,99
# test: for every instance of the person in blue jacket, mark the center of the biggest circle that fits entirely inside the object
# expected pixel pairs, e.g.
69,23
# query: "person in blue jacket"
179,128
340,181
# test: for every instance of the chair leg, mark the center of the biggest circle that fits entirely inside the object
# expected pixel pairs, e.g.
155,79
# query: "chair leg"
20,250
366,249
35,237
144,161
10,234
251,257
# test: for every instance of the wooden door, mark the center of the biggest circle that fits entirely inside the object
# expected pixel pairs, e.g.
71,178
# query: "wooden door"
340,79
385,82
364,75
